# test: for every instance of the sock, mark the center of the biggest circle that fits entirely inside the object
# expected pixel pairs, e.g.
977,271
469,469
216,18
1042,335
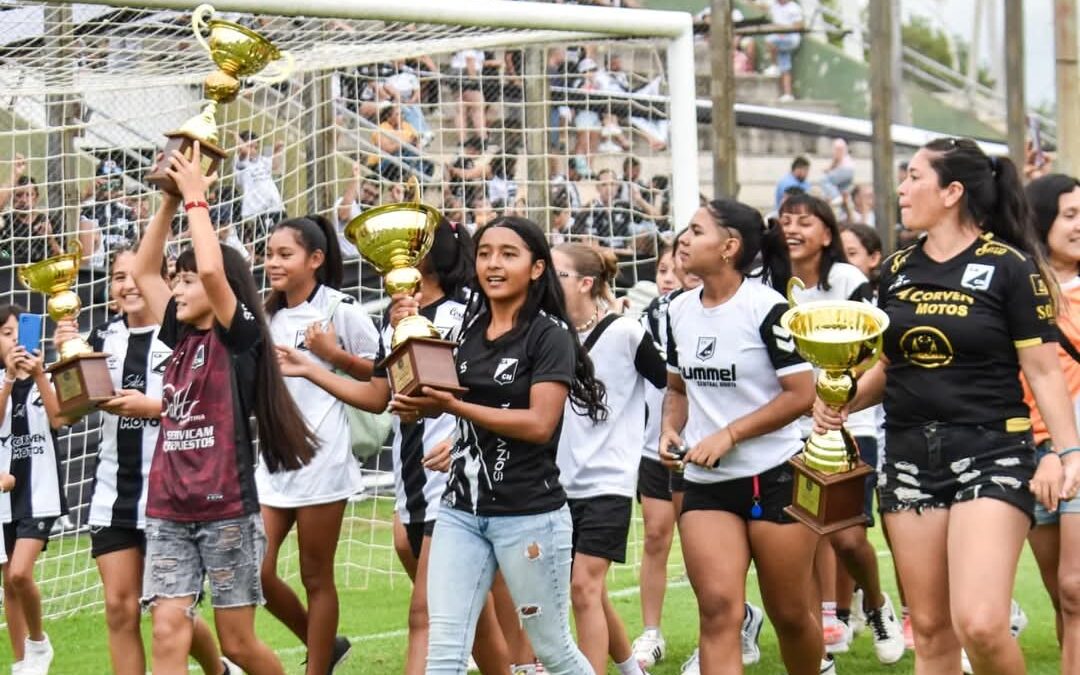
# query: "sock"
828,609
844,615
904,613
629,667
655,628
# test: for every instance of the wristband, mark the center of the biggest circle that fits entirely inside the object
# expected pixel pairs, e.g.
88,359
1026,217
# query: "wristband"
200,204
1067,451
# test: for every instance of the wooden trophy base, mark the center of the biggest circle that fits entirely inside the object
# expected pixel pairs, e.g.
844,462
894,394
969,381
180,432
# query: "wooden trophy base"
81,383
827,503
423,362
212,157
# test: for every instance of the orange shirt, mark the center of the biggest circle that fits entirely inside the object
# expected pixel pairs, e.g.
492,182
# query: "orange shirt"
1069,322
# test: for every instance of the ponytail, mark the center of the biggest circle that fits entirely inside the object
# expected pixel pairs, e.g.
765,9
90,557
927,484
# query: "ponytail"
451,259
598,264
313,233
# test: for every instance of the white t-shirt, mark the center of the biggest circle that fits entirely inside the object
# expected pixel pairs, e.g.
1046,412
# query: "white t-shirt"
731,358
601,458
255,179
460,60
786,14
404,83
846,282
333,473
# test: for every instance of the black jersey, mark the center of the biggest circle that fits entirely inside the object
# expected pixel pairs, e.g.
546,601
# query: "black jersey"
955,328
492,475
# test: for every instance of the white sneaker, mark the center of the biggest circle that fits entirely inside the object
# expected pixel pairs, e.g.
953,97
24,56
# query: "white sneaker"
17,668
828,665
753,619
609,148
836,633
38,657
1018,621
692,665
965,663
887,631
858,616
649,649
786,98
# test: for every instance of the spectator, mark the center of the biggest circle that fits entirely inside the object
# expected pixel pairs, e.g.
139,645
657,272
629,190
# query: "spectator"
466,66
586,121
403,88
464,174
501,186
569,185
139,202
261,205
841,173
397,139
560,217
606,222
26,235
859,207
800,169
360,195
481,212
106,223
788,14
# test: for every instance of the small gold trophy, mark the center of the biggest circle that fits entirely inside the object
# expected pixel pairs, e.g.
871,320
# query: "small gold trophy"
238,52
394,238
81,376
843,340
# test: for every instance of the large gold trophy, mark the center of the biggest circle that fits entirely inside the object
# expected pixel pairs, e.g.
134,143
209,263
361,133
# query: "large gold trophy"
842,339
394,238
238,52
81,376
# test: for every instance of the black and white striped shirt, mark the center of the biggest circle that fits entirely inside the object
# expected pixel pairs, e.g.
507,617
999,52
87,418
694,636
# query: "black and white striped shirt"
28,452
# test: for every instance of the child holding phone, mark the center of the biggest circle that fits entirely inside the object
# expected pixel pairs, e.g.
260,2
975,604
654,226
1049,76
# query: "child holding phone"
30,413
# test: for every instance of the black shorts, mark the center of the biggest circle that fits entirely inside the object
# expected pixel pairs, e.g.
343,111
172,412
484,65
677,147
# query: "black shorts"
868,450
601,525
677,481
653,480
110,539
939,465
416,532
27,528
737,495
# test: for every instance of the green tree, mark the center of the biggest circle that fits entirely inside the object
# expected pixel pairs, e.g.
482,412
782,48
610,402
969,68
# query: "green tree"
919,34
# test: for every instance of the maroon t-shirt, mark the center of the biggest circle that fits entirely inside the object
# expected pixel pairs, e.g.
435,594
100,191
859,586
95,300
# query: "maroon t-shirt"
204,465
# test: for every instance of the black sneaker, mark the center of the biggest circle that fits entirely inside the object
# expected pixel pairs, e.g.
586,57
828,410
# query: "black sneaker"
342,649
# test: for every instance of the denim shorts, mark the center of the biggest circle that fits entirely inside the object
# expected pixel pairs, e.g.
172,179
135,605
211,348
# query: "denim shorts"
179,556
1044,517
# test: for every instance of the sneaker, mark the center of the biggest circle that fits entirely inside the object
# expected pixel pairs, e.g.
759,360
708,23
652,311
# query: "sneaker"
887,631
342,649
38,656
649,649
828,665
692,665
858,616
786,98
17,668
909,635
837,635
230,668
965,663
1018,621
753,620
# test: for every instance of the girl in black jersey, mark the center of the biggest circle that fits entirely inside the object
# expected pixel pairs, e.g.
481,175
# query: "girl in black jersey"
504,506
129,429
30,414
202,508
969,310
815,250
422,446
736,387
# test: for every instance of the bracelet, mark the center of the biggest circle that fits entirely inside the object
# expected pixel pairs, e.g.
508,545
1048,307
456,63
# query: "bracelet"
1067,451
200,204
731,434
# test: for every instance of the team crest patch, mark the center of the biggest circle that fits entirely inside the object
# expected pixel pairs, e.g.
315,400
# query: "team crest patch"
706,348
158,361
299,342
1038,285
506,371
977,277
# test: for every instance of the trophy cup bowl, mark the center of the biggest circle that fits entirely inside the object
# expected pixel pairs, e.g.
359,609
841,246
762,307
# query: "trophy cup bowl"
394,238
81,376
238,52
842,339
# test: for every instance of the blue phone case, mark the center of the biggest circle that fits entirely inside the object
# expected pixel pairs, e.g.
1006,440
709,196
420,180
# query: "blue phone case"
30,331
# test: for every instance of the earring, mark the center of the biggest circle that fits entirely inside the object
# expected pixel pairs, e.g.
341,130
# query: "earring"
725,259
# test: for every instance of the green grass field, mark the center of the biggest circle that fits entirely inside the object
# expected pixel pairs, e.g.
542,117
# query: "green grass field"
374,600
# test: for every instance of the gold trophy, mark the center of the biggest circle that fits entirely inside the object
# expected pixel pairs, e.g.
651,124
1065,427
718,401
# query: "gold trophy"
394,238
238,52
843,340
81,376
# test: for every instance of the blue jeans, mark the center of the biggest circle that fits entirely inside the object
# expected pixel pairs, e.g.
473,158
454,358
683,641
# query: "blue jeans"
533,554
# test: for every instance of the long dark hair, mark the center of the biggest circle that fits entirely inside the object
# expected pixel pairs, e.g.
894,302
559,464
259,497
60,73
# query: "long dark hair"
760,244
587,394
313,233
1044,195
451,259
285,441
831,254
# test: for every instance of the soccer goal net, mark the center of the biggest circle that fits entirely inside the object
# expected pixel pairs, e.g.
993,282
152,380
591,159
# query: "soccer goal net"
581,118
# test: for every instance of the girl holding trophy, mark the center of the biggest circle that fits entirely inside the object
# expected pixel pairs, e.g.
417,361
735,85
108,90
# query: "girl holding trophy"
202,507
969,311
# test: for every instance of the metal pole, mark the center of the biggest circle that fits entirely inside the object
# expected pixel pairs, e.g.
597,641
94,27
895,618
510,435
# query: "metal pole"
722,90
1066,17
535,87
881,118
682,114
1016,116
973,51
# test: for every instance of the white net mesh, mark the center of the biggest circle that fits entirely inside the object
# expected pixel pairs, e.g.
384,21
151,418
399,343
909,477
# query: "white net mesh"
490,120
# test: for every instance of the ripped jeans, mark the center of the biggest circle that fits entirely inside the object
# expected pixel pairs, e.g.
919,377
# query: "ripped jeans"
533,554
227,552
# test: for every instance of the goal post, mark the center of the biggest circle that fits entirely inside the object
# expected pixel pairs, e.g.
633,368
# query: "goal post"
503,124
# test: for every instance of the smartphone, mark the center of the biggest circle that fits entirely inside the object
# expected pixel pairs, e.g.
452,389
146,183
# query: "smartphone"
1035,129
30,331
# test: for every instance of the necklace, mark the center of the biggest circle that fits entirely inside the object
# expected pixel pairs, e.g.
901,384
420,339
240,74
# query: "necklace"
588,324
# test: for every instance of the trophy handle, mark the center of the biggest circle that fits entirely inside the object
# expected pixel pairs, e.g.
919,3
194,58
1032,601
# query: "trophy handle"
75,248
792,284
282,72
412,185
198,23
